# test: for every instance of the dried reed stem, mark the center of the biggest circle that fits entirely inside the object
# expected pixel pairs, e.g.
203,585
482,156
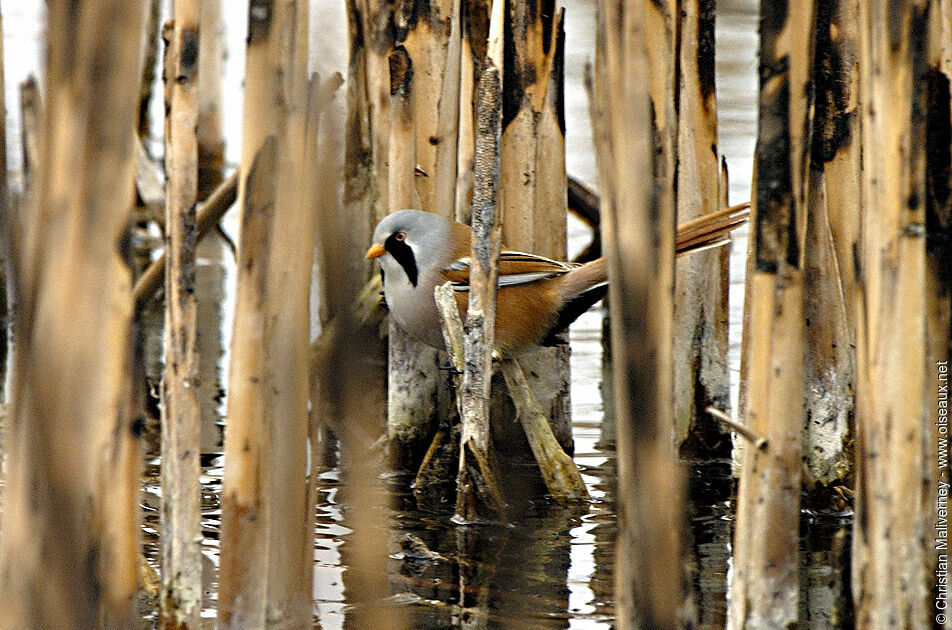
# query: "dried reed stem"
265,537
765,578
701,282
481,310
893,542
180,602
69,550
638,233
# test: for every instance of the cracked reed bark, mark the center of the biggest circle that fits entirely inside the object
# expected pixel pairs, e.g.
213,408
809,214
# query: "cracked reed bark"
638,233
69,550
180,601
475,392
765,583
831,239
893,546
701,283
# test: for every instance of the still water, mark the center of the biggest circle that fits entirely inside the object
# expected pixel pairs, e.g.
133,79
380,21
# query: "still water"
550,567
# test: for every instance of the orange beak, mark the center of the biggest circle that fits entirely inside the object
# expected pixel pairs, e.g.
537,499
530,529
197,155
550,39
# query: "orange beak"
376,250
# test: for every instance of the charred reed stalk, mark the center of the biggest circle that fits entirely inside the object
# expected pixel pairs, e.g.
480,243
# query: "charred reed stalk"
701,282
765,582
900,293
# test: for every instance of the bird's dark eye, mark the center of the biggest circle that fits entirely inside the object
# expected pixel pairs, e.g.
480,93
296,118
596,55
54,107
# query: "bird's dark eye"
400,236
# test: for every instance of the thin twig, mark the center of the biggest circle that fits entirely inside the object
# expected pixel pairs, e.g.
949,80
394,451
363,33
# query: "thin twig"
758,442
209,214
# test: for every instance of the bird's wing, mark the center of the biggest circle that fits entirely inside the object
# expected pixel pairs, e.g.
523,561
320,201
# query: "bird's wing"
515,268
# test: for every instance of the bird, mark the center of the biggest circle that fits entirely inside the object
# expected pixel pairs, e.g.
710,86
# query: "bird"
537,297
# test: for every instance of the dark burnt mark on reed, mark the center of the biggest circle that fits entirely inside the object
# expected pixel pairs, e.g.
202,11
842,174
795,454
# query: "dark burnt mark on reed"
547,15
774,225
706,50
939,176
833,120
401,71
381,30
410,14
260,13
513,85
558,72
188,56
474,16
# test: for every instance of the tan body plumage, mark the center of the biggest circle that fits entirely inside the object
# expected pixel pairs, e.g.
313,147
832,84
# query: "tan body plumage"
537,297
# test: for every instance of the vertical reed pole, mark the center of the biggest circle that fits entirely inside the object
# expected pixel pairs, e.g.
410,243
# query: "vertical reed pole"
893,541
6,296
765,586
424,112
481,310
181,598
474,35
244,497
69,553
938,219
701,284
831,238
288,334
265,539
638,230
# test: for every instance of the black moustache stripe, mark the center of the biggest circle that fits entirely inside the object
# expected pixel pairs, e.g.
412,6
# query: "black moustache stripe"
402,253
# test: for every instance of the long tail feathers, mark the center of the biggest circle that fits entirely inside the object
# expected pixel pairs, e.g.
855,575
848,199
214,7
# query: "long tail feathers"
710,230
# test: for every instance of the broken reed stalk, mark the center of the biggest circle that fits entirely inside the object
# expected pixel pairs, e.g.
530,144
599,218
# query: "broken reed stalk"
701,284
474,396
69,550
742,430
208,214
478,494
266,543
894,546
422,149
638,234
765,583
180,602
559,471
831,240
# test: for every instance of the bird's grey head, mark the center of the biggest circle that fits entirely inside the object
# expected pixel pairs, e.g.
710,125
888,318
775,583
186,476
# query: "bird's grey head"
403,235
